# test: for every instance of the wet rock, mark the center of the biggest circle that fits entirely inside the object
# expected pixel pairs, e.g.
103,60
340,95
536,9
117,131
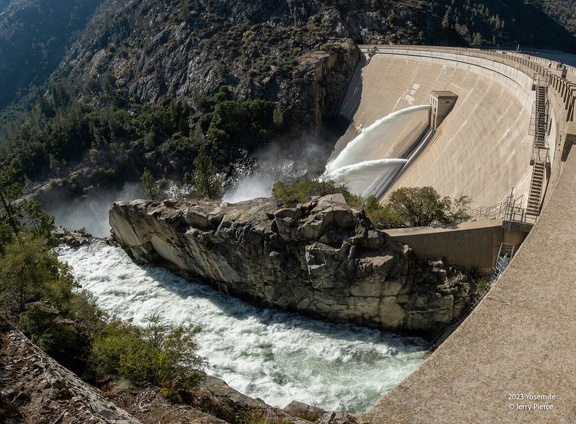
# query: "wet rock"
71,238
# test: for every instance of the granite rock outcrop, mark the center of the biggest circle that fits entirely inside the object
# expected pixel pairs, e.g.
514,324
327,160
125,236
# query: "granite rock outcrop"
35,388
320,258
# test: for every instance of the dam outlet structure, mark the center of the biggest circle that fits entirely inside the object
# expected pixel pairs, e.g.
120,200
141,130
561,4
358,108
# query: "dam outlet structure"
379,152
369,164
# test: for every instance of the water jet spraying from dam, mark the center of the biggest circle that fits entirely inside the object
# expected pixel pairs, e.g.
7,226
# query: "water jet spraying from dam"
360,177
378,153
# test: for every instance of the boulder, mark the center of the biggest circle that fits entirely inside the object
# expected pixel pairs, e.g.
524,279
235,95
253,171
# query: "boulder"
321,258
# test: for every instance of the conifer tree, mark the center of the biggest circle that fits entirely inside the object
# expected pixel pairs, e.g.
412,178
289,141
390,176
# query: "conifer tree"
205,177
150,186
17,215
27,270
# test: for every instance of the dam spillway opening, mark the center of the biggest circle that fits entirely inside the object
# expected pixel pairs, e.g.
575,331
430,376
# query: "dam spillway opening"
376,155
372,160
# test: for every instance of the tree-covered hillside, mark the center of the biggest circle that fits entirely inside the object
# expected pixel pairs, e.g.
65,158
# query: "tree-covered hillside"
34,35
562,11
148,83
528,23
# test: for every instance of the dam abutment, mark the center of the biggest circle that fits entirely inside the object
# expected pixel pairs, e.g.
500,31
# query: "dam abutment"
471,245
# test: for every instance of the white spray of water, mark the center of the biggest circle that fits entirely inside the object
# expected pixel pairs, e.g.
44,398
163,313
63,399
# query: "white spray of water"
362,147
286,160
250,187
356,166
276,356
91,212
359,177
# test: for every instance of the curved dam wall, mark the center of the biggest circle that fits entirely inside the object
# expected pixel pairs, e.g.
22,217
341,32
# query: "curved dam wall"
482,149
511,360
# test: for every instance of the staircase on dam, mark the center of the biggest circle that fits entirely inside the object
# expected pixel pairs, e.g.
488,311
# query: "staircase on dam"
536,188
540,157
510,209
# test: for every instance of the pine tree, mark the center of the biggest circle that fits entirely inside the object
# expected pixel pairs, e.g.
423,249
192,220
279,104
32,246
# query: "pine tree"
27,269
17,215
150,186
8,193
205,177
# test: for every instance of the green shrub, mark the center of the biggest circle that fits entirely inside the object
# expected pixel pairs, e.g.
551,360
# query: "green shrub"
482,286
422,206
30,271
384,217
58,337
84,311
416,206
156,353
171,394
301,191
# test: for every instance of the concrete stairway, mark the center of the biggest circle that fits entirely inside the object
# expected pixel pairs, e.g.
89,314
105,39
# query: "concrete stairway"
540,156
536,185
540,118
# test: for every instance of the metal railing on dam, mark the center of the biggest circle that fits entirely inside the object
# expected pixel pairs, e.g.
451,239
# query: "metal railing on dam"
511,360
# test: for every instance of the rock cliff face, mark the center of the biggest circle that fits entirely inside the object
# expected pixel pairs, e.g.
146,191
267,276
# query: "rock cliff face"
34,36
151,51
319,258
35,388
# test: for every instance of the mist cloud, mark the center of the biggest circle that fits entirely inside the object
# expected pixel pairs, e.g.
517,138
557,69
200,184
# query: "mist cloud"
305,157
91,212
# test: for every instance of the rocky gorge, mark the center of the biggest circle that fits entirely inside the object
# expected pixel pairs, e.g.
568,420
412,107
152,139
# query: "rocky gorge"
322,258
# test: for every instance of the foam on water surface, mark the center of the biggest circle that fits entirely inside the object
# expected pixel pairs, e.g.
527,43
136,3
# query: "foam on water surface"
273,355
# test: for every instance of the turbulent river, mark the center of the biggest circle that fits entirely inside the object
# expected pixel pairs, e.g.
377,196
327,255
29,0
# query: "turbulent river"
272,355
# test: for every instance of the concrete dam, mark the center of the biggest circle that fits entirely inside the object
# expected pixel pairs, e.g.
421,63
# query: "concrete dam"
508,136
483,148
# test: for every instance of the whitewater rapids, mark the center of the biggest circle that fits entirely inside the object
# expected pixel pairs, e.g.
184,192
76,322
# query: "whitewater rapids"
272,355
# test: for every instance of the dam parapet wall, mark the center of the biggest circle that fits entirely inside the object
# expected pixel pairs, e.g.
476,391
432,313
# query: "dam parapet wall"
471,245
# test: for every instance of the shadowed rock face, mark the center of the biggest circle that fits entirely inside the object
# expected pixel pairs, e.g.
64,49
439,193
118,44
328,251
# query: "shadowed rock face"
35,388
321,258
